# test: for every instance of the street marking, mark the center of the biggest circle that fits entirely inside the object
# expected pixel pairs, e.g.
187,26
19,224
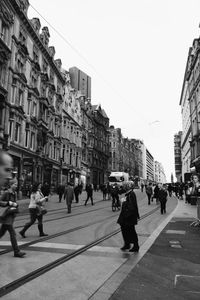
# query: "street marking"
176,246
76,247
8,243
175,231
187,283
174,242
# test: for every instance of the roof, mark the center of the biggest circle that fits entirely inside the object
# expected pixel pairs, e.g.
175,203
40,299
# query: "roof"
98,107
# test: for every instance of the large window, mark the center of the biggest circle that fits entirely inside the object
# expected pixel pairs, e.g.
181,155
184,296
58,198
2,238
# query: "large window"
27,136
17,135
32,144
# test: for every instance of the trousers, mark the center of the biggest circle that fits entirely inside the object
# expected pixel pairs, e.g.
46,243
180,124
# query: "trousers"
13,239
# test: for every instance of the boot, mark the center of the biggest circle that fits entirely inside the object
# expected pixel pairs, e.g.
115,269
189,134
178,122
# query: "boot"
125,247
40,228
20,254
135,248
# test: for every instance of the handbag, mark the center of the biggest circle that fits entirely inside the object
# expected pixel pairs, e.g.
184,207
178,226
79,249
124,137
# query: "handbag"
41,211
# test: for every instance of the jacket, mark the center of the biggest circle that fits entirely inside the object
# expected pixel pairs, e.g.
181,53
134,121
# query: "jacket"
162,195
4,202
69,194
36,199
129,212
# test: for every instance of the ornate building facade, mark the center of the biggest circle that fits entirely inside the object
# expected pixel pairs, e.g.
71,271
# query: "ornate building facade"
98,151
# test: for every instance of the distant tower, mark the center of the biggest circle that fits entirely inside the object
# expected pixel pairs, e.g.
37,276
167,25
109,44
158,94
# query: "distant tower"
172,178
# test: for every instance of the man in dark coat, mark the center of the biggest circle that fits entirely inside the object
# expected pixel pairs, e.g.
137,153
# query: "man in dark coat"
128,218
77,193
89,191
60,191
69,196
162,196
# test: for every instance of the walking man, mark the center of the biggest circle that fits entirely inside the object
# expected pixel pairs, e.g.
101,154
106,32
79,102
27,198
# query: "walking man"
69,196
89,191
149,192
162,196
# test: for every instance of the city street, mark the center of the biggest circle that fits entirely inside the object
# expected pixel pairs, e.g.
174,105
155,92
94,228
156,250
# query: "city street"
78,276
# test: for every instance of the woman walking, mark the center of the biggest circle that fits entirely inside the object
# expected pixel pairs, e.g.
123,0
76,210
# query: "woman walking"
37,198
128,218
8,199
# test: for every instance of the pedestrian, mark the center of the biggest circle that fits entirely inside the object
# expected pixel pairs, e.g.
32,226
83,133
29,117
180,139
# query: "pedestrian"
128,218
9,200
162,196
6,165
60,191
45,189
69,196
108,190
104,191
170,188
149,192
114,191
155,194
142,187
89,191
37,198
77,193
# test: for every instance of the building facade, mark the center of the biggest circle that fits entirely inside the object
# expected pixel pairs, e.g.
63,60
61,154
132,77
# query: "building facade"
186,125
177,156
80,81
193,87
98,152
159,173
115,149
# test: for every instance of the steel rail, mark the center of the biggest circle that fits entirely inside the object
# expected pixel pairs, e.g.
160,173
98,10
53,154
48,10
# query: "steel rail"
8,288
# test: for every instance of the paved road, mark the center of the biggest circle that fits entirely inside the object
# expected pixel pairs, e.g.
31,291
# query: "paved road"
81,277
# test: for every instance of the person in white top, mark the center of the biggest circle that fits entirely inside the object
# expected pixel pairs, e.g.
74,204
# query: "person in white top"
37,198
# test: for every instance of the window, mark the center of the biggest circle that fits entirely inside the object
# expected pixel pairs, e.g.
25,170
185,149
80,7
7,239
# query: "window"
20,63
35,54
21,97
17,132
14,91
63,152
70,157
34,109
28,106
27,134
32,144
45,66
22,36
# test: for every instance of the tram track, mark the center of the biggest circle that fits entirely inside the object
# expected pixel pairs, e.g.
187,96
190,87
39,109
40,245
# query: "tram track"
67,216
8,288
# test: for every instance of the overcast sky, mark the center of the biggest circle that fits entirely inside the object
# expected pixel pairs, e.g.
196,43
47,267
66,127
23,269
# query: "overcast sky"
136,52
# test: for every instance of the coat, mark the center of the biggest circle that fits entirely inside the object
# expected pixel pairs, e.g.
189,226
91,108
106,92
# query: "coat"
162,195
129,212
4,202
69,194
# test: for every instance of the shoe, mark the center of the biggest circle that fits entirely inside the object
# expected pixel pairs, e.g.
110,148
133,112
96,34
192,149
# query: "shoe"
134,249
22,234
20,254
43,234
125,247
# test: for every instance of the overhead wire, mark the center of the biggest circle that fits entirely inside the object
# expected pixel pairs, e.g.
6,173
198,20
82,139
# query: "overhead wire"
82,57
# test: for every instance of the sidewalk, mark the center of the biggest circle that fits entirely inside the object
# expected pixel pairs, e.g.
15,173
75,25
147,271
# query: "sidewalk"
170,267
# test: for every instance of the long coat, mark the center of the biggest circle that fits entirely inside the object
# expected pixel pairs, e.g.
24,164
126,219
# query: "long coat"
129,212
69,194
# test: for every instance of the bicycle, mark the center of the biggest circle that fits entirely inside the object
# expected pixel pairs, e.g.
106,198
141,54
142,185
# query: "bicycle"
115,204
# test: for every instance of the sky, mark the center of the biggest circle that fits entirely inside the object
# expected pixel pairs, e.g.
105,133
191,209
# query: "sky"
135,52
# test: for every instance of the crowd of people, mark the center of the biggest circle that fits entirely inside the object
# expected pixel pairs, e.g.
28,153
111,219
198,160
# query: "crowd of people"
129,213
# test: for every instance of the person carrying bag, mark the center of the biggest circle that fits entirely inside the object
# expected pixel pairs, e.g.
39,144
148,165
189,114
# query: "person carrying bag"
8,211
36,210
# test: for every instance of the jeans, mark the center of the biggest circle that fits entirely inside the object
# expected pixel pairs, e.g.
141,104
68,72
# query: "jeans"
11,230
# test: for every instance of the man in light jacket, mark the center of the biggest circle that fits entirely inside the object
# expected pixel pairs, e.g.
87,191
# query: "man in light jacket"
69,196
